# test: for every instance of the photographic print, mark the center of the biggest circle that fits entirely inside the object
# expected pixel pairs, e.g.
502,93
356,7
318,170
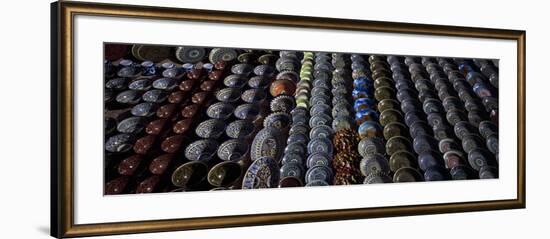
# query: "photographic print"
161,114
196,118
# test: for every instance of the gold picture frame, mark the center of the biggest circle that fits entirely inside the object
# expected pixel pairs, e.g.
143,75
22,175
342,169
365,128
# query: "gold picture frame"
62,201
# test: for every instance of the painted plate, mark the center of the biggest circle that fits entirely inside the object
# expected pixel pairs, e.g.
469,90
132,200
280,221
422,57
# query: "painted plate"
202,150
233,150
220,110
267,143
239,129
189,54
211,128
222,54
262,173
